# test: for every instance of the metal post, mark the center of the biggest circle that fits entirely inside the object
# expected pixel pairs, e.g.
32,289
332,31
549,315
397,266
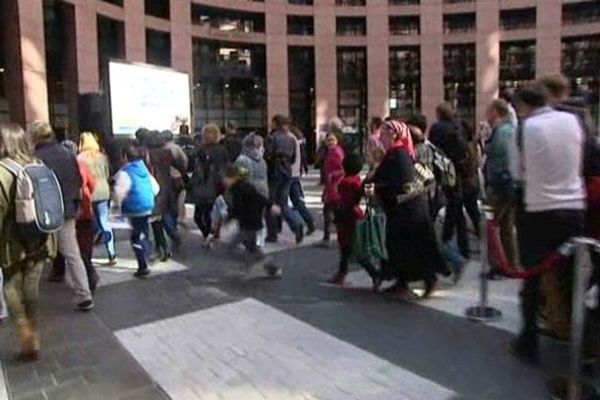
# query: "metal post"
574,388
483,312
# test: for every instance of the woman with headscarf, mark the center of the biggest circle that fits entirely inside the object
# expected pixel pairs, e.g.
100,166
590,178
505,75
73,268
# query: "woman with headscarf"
410,238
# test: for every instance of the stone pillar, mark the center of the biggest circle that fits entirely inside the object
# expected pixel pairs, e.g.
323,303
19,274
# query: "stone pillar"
135,30
181,36
487,54
548,37
278,98
325,62
378,58
432,57
86,36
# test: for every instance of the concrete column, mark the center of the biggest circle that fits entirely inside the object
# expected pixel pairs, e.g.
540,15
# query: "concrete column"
378,63
135,30
27,88
325,62
432,57
278,99
487,54
86,36
548,44
181,36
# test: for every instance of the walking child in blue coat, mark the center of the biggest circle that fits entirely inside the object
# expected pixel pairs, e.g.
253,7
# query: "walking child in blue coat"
135,190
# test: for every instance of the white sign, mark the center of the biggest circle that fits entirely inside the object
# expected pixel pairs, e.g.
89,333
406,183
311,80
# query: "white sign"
143,96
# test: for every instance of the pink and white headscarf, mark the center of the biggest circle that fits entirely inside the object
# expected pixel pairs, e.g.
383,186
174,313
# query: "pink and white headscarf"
399,137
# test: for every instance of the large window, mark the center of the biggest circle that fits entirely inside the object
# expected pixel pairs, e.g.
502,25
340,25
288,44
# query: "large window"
517,63
350,2
581,12
300,25
61,66
111,44
459,78
158,8
228,20
404,2
521,18
405,81
158,48
405,25
351,26
459,23
580,60
115,2
301,75
229,84
352,90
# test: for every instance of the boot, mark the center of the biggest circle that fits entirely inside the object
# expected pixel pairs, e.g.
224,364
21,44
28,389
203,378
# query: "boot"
29,341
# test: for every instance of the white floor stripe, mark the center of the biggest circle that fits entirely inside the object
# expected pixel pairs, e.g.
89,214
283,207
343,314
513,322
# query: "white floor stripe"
3,390
248,350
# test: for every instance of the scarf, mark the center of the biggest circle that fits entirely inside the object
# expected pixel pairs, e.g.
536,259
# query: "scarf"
402,138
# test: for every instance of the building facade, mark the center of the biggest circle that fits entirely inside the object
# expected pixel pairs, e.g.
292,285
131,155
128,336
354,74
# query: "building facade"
314,59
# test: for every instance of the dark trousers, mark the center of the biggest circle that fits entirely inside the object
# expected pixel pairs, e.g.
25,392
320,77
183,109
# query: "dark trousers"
470,201
328,218
540,234
202,218
160,240
85,239
139,240
280,193
297,199
169,223
455,222
345,254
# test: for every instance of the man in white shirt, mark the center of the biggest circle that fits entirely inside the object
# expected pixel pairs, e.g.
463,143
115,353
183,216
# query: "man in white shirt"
554,197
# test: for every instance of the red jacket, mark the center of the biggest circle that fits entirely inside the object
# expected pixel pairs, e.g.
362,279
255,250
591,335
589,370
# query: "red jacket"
349,212
86,212
333,172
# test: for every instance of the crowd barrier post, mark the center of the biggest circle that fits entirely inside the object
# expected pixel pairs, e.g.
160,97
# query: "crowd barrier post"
482,312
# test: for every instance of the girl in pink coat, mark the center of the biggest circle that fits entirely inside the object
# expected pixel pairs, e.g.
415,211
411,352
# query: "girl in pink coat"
333,174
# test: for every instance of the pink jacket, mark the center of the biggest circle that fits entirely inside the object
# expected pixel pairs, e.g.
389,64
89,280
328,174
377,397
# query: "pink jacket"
334,173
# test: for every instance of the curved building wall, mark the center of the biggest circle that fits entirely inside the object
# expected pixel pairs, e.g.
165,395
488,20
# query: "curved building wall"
387,55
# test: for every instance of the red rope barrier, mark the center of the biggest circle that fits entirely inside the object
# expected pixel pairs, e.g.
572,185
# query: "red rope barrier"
553,261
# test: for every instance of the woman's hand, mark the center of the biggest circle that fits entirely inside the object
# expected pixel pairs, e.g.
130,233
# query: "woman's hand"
370,190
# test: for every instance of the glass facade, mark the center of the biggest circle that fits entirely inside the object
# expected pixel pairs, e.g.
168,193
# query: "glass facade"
301,75
405,81
459,78
459,23
517,63
351,26
581,12
352,90
158,48
405,25
521,18
229,84
300,25
227,20
111,45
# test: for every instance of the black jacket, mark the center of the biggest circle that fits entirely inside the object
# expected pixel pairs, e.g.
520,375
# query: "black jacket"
280,154
233,144
247,206
64,165
445,135
210,166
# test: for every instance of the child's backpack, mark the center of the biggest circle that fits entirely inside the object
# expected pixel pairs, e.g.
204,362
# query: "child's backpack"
39,208
443,168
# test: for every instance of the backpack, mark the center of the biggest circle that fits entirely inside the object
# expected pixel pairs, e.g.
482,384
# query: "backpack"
443,168
39,208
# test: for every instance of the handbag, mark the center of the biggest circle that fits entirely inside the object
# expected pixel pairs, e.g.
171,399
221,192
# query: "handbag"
369,237
423,182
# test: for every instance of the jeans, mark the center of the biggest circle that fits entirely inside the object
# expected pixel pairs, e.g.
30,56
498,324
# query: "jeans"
139,240
540,233
160,241
280,193
75,270
101,212
169,222
328,217
470,200
455,221
202,218
297,199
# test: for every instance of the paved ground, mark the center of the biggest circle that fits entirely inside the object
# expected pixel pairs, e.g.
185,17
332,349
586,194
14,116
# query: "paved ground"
197,329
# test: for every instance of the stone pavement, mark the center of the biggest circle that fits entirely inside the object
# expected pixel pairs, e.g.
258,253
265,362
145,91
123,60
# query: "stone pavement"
198,330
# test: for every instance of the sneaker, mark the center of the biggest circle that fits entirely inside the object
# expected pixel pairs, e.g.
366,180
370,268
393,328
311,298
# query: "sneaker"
300,235
142,273
430,287
166,256
112,261
85,306
311,229
273,271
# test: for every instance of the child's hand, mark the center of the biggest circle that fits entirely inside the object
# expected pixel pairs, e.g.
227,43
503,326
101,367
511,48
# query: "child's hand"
275,210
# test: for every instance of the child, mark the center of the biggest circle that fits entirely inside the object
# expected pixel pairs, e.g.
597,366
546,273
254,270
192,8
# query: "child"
374,158
347,215
333,174
218,216
135,189
247,207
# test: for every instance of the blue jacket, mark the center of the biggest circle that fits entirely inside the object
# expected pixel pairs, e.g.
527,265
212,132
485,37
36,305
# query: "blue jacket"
498,176
140,200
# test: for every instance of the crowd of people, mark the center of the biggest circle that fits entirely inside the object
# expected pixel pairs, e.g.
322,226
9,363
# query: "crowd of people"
534,161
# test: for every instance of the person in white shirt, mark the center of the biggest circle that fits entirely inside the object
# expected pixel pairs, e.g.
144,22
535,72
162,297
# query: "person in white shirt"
554,199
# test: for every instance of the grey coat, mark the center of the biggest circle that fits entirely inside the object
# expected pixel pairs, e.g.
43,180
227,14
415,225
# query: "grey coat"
252,161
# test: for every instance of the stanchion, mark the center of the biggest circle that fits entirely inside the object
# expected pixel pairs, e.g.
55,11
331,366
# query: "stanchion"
573,387
483,312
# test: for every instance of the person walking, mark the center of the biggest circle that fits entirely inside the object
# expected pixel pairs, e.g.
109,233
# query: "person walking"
334,173
64,165
469,175
499,182
296,190
135,189
210,165
280,155
554,205
232,142
21,271
91,155
410,238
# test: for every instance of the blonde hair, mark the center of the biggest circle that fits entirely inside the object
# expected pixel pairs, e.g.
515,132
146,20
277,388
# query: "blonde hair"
40,131
211,134
88,142
15,144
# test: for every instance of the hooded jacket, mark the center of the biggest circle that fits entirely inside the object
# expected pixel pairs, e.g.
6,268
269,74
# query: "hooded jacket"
135,189
253,162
